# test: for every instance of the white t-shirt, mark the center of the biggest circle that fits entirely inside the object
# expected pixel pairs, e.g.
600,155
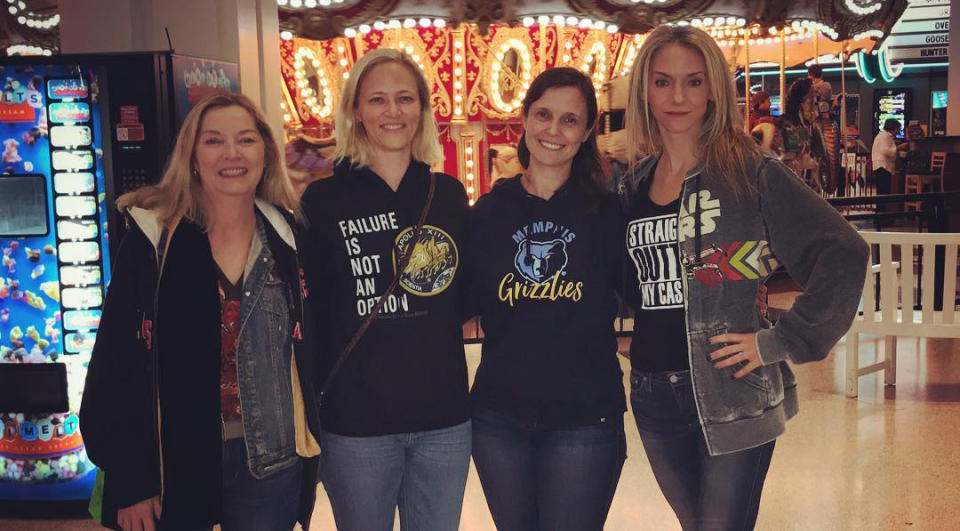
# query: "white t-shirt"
884,152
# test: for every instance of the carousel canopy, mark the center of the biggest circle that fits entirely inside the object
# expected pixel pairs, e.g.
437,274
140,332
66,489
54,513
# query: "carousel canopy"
838,19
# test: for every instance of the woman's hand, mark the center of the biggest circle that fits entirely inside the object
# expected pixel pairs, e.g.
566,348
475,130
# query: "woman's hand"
741,348
141,516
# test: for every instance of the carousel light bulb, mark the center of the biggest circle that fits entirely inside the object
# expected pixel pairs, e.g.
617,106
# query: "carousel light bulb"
612,28
457,85
470,176
364,28
720,21
469,163
457,72
343,62
472,202
458,111
324,3
295,3
341,49
316,63
379,25
708,21
350,33
281,3
394,24
566,57
457,44
599,25
528,21
558,20
409,49
346,75
425,22
458,57
416,58
568,45
586,23
310,3
774,30
439,23
696,23
741,22
543,20
323,83
469,189
571,21
495,67
457,98
409,23
286,35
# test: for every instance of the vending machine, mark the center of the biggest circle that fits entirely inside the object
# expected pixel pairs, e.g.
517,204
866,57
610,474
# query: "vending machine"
76,132
892,103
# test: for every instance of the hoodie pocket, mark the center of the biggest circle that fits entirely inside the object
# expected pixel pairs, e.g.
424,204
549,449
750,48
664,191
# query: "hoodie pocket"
754,378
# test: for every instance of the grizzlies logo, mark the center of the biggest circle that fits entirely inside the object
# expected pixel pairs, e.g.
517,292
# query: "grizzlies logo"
433,260
539,261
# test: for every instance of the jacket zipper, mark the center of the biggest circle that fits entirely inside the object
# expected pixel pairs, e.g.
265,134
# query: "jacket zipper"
686,314
156,358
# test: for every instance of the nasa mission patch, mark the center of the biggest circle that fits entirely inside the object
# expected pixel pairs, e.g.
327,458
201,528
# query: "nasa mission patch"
433,260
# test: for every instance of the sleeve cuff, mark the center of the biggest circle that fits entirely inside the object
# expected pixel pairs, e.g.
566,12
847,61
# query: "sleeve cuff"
769,348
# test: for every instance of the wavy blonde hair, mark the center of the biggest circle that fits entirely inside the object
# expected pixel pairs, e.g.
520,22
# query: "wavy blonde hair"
724,147
178,192
352,138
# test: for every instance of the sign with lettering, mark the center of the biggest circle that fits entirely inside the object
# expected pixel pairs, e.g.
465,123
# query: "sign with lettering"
922,34
194,78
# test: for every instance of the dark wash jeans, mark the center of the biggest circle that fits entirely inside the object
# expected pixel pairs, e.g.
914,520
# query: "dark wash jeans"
551,479
706,492
268,504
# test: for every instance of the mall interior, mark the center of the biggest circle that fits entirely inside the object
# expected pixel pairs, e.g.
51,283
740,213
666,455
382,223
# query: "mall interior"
95,90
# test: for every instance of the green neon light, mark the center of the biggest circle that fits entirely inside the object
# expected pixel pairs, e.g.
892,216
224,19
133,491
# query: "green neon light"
862,68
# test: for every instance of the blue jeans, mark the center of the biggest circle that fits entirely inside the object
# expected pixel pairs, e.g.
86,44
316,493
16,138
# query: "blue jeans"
536,477
271,503
706,492
422,473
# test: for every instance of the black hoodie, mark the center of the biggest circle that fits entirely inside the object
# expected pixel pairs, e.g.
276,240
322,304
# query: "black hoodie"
408,373
543,274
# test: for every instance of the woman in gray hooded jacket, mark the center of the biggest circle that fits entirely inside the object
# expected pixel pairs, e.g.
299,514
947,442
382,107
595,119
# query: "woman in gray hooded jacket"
709,217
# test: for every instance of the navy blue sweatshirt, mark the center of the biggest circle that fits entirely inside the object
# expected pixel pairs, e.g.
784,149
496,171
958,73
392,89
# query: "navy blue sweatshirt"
408,373
543,275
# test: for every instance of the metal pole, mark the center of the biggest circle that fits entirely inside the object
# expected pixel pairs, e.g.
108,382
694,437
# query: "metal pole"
783,69
843,114
746,81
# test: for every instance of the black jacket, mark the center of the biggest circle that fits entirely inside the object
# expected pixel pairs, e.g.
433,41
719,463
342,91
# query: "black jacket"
164,341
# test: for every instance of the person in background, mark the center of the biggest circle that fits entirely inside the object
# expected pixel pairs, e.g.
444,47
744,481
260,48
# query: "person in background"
760,109
544,264
396,417
884,155
709,218
822,92
199,405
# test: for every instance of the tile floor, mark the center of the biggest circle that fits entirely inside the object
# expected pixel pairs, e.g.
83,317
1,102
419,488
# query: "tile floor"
888,460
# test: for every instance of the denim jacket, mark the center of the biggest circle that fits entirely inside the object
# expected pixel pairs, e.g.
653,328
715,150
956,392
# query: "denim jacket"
729,244
264,350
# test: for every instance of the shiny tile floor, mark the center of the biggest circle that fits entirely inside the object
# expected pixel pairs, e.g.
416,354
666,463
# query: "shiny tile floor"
889,460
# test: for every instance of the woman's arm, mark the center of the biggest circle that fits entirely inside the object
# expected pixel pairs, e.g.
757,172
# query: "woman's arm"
118,409
823,253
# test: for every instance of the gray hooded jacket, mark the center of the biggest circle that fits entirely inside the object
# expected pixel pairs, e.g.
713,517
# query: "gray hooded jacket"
729,245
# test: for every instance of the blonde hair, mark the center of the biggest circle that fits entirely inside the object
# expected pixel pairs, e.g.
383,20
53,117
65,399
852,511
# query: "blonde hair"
178,192
725,148
352,138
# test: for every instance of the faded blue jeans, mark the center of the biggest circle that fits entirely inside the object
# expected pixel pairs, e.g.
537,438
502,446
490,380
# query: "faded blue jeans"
537,477
422,473
707,493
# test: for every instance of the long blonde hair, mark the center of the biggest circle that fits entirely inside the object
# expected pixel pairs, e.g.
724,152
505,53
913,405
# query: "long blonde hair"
725,149
178,192
351,137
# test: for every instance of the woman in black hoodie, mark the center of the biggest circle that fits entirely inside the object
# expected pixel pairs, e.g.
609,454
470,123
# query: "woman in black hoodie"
548,399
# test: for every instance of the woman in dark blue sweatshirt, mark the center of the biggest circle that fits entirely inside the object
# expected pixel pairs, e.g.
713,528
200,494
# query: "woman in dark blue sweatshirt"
548,399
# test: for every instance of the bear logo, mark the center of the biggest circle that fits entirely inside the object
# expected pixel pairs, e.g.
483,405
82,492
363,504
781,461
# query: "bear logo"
538,261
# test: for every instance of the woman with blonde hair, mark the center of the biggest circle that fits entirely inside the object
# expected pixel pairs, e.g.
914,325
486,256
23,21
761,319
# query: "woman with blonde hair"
199,405
709,218
385,237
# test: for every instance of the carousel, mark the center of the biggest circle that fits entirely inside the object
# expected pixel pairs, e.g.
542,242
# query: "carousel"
479,57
